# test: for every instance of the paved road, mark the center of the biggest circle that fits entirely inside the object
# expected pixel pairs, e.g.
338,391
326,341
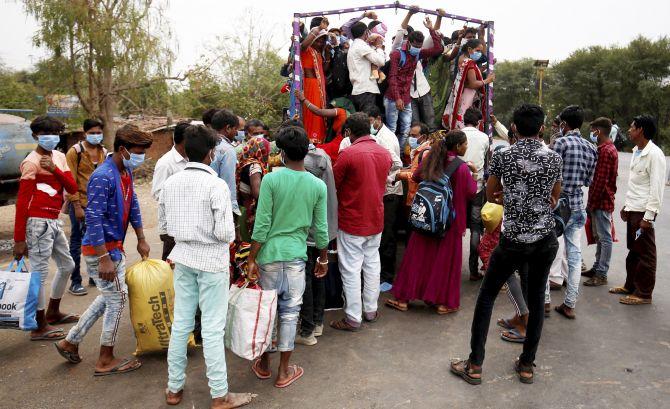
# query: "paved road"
611,356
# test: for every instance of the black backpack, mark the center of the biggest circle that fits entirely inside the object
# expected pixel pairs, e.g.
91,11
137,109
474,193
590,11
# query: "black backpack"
562,214
432,210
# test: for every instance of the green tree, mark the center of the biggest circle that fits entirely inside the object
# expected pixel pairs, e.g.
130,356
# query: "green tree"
112,48
17,90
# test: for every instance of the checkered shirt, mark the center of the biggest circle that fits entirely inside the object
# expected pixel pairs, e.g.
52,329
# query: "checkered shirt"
579,162
196,210
603,188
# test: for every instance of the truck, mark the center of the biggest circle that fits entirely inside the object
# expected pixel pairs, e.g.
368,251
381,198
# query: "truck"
16,142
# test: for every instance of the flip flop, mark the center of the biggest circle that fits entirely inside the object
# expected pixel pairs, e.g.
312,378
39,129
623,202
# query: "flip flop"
257,371
298,372
445,310
504,323
513,335
72,357
395,304
66,319
116,370
46,337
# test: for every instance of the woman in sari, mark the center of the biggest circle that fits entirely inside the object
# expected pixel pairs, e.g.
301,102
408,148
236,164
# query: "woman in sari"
251,167
335,117
315,59
431,267
468,85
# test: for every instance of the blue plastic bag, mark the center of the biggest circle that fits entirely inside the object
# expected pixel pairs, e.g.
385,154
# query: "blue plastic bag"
19,291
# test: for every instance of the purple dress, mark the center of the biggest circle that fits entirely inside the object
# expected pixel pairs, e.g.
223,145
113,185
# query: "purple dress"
431,267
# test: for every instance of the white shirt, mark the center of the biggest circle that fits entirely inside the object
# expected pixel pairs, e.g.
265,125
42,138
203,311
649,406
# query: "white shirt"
168,164
478,147
359,60
196,210
389,141
646,181
420,86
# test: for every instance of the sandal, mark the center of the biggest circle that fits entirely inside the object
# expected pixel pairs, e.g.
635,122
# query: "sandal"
258,371
298,372
71,357
462,368
117,369
634,300
343,325
620,290
46,336
442,310
519,368
505,323
513,335
173,398
396,305
65,319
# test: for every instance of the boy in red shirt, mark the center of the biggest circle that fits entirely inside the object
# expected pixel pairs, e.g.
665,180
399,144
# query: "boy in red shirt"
38,233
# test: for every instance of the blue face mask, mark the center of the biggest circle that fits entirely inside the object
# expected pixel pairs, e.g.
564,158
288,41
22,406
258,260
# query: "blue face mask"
94,138
476,56
373,131
413,142
48,142
594,138
240,136
414,51
135,160
343,39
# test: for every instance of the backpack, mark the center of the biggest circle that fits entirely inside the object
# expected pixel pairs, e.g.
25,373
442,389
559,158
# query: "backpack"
79,148
562,214
432,210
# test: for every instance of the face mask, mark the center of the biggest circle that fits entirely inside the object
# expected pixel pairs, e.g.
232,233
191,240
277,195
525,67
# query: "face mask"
134,161
594,138
373,131
476,55
414,51
48,142
281,157
211,156
343,39
240,136
94,138
413,142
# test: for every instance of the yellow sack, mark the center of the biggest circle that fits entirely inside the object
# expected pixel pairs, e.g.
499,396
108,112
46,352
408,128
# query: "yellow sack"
151,294
492,214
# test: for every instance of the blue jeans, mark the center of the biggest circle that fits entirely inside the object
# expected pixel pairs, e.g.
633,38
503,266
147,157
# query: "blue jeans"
109,304
602,221
76,235
398,120
573,249
288,278
209,290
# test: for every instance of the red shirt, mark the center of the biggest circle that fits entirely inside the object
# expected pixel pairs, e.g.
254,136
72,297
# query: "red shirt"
360,178
603,187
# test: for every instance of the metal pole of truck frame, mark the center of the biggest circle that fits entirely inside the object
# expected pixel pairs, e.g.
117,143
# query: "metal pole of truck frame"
296,83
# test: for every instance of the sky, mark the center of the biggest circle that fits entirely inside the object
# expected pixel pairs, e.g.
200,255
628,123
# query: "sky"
539,29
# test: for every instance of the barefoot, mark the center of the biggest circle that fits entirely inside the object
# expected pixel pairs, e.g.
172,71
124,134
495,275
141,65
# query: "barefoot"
232,400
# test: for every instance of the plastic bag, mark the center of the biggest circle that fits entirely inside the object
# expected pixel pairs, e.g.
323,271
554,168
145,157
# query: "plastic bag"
19,291
492,214
151,293
250,320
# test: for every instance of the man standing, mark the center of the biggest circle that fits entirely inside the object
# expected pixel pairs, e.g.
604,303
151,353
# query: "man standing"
317,162
82,159
579,161
195,209
169,164
398,101
359,60
643,203
291,202
112,205
225,123
392,195
527,237
361,174
38,234
601,200
478,149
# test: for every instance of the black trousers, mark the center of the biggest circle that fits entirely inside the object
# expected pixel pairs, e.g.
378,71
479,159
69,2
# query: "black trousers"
388,246
363,102
168,245
506,258
476,228
314,297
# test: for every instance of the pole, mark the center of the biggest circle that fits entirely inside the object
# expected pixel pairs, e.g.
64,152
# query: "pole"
541,74
490,32
296,77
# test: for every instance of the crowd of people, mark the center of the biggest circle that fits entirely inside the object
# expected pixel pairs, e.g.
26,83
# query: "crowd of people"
342,180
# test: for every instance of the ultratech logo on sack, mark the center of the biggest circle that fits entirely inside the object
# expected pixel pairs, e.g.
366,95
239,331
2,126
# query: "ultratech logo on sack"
161,319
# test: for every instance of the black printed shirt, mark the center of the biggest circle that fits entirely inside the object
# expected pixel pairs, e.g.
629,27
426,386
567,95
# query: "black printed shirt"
528,171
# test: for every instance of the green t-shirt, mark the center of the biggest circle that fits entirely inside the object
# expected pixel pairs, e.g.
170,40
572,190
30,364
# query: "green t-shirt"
290,202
